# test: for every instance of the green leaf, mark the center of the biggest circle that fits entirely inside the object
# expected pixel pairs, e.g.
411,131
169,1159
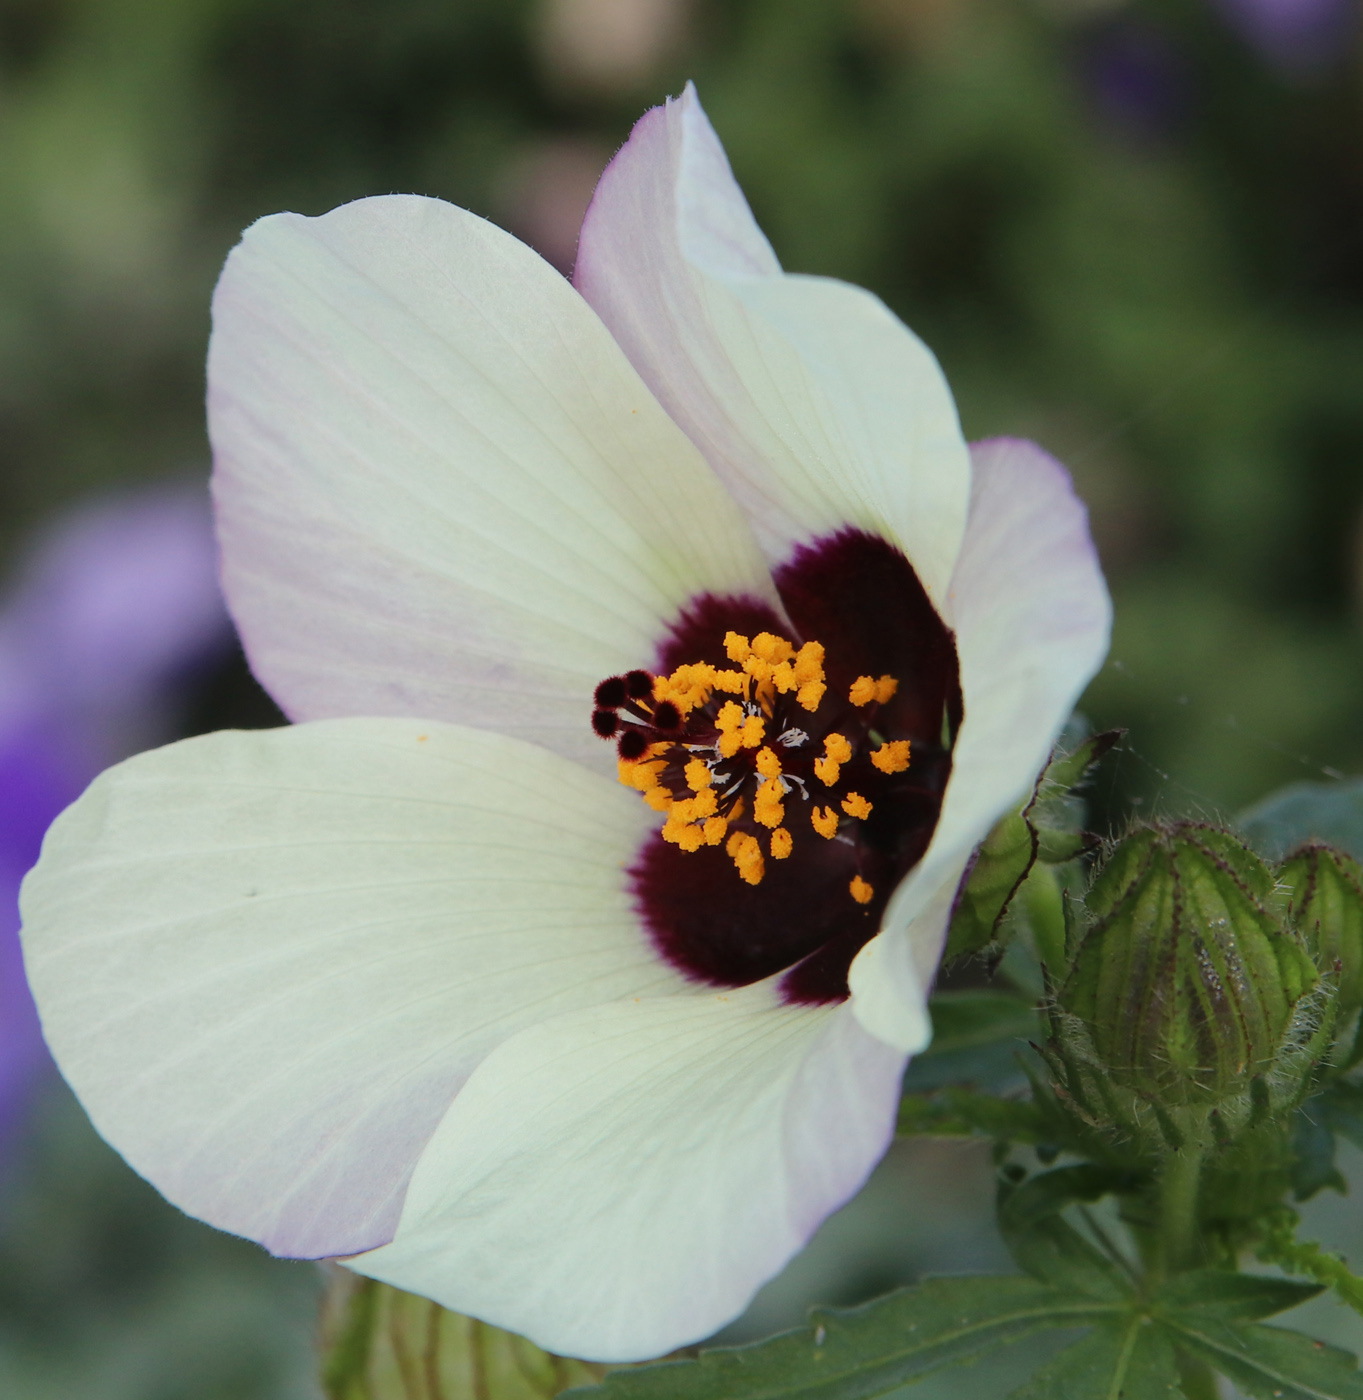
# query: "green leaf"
1131,1359
1051,1249
975,1039
959,1113
1232,1297
1313,1153
1047,826
1340,1108
1305,812
1001,864
861,1353
1269,1363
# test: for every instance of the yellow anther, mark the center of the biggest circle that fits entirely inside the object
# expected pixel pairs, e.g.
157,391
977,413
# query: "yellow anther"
715,827
782,843
688,836
865,689
730,681
836,752
737,648
860,890
855,805
754,730
827,770
810,694
768,806
704,803
772,648
809,663
768,764
746,854
892,757
729,722
659,799
698,774
825,821
758,669
641,774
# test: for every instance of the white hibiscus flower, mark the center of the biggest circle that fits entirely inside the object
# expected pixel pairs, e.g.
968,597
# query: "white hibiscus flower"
420,979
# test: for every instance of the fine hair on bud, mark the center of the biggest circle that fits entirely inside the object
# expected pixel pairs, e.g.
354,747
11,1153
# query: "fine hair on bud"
1187,980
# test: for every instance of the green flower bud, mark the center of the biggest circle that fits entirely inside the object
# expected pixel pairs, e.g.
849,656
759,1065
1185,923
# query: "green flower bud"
1325,888
1186,983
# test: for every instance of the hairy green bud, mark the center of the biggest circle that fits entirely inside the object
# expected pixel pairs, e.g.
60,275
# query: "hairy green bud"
1186,984
1325,889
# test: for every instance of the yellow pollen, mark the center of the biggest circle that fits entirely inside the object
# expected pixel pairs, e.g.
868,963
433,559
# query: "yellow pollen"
675,782
771,648
892,757
698,774
855,805
690,838
827,770
809,663
860,890
729,722
746,854
641,774
836,752
767,806
864,690
810,694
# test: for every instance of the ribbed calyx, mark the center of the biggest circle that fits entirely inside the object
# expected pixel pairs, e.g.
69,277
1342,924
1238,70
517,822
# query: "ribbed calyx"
1187,982
1325,892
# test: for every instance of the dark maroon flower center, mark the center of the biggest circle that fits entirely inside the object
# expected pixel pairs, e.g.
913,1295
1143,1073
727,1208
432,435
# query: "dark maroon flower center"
801,775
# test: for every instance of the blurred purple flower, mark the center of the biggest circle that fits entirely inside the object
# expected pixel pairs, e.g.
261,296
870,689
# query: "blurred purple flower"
1294,35
1137,80
116,610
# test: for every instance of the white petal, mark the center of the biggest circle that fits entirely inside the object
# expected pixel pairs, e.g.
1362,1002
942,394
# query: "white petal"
1032,619
816,405
267,961
619,1182
441,488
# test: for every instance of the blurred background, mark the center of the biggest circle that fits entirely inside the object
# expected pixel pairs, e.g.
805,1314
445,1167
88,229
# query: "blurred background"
1130,229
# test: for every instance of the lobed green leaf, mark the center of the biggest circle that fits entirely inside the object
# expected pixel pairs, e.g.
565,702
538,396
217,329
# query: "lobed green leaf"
1127,1359
865,1352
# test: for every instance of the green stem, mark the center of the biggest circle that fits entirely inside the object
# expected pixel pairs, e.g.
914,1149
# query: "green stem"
1178,1236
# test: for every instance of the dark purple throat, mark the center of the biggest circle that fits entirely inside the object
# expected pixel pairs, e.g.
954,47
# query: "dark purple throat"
860,597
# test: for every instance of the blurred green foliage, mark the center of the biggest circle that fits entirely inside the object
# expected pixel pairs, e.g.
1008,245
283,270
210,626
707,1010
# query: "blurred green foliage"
1124,232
